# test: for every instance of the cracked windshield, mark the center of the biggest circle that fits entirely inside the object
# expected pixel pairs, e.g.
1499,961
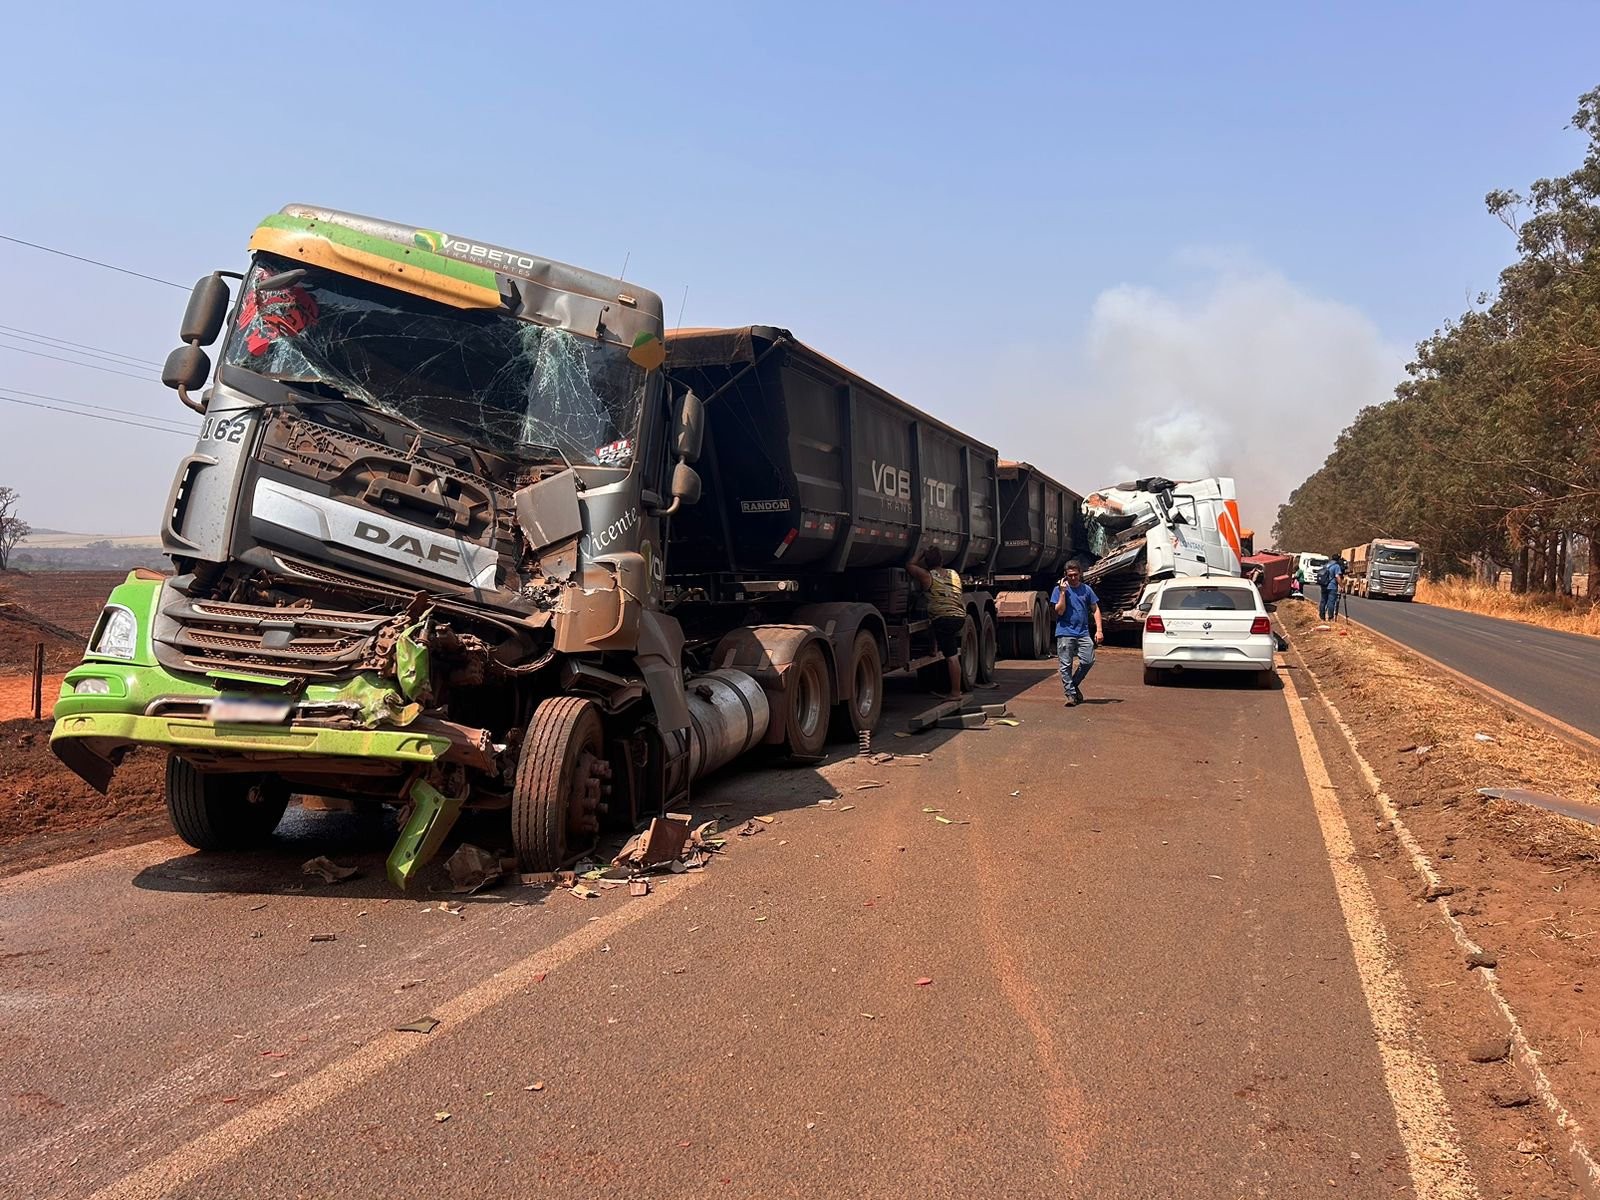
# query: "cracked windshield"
502,383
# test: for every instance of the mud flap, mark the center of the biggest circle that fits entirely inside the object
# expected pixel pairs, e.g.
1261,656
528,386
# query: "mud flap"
94,769
433,814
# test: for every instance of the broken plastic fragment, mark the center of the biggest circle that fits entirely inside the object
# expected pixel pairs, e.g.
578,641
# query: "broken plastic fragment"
328,870
420,1025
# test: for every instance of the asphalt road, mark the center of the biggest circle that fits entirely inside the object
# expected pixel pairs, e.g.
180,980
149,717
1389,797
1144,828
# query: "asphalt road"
1549,670
1139,984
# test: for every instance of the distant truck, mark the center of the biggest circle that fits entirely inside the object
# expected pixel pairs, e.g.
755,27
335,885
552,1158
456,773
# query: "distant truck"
1154,529
1382,568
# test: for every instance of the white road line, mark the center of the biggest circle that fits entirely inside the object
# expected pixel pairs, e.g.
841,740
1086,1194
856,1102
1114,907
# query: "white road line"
1527,1058
217,1147
1439,1168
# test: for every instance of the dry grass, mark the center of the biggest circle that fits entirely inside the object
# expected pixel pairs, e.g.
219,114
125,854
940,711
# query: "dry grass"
1553,612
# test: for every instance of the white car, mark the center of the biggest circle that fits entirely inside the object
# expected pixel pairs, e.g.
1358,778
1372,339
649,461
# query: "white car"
1215,623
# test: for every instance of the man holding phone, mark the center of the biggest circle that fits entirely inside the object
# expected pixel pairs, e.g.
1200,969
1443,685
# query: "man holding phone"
1075,602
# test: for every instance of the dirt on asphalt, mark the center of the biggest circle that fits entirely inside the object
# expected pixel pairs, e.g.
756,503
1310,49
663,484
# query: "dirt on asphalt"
1526,881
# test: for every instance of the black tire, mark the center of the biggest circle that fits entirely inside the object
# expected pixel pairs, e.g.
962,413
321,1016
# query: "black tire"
1152,677
559,781
865,672
969,653
1044,643
808,699
987,648
1266,680
224,811
1006,640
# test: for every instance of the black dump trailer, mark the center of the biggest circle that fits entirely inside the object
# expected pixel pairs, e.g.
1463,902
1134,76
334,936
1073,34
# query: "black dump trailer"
1041,530
818,489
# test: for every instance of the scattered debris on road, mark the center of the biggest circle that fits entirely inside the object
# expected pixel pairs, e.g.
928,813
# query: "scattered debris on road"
471,868
327,870
924,981
1482,958
1482,737
441,1117
537,1086
420,1025
324,937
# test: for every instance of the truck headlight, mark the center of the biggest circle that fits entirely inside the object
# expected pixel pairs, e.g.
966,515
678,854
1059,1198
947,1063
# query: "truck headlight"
92,687
118,636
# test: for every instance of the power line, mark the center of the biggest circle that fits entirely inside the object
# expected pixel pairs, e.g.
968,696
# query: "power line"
179,425
34,335
94,262
73,412
119,361
74,362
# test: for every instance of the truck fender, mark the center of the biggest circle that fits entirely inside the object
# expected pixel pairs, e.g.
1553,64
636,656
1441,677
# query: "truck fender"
660,658
839,622
766,652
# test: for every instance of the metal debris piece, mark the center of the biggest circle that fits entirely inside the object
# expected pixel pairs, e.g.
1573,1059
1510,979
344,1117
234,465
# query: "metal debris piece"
1586,813
662,842
420,1025
639,887
327,870
472,868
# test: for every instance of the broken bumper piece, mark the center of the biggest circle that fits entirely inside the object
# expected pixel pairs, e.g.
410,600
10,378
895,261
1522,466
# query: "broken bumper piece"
89,743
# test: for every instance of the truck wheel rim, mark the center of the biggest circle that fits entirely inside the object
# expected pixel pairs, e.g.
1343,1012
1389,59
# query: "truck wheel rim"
866,687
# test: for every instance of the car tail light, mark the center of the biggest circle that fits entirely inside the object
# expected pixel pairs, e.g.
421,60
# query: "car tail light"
1154,624
1261,625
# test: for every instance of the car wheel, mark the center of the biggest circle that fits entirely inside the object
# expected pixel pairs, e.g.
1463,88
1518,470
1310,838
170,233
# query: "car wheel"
1152,677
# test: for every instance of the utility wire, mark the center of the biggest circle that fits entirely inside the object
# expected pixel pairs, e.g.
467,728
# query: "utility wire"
179,425
35,336
94,262
75,362
119,361
73,412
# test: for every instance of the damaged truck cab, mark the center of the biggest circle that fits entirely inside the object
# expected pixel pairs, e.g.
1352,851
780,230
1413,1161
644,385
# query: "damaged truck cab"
416,547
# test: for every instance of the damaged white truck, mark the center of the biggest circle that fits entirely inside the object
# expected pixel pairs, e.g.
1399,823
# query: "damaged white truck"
441,544
1153,529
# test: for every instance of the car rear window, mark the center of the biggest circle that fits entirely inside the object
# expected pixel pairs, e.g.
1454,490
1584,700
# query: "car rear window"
1191,597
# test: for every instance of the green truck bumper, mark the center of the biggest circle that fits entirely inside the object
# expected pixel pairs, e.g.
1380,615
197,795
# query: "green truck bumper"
88,742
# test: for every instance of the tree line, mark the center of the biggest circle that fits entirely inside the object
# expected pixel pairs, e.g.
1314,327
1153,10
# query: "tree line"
1489,452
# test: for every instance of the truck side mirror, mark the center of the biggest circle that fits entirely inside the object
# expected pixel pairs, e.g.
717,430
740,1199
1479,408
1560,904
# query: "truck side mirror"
685,485
689,430
186,368
208,308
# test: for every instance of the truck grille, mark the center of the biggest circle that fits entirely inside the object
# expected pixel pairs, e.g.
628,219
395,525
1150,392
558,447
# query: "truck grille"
209,635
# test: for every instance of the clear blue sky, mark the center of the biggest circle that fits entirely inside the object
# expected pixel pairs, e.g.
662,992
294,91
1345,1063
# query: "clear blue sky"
1010,217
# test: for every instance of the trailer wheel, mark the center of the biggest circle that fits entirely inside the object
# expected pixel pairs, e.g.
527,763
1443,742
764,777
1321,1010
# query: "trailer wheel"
223,812
986,648
865,672
969,653
560,779
1043,619
808,699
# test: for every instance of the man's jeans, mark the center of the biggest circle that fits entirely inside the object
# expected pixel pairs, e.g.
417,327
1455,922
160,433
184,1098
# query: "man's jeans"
1330,602
1066,647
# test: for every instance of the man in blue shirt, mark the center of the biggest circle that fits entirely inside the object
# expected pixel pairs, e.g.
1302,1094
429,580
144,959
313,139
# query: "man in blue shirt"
1328,580
1075,602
